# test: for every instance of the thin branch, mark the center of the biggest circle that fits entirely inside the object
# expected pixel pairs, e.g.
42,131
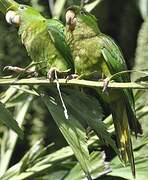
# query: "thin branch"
84,83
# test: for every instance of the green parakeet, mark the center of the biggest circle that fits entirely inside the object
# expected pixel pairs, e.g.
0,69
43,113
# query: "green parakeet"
97,56
43,38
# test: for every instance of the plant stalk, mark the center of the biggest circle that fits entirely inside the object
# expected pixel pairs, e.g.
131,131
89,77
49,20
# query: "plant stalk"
76,82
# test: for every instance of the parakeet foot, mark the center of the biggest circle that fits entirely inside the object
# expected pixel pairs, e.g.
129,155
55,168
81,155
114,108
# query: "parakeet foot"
14,69
62,74
21,70
71,76
105,84
51,74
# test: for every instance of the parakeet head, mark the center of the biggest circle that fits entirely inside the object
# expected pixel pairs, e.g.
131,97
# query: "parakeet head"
22,14
78,19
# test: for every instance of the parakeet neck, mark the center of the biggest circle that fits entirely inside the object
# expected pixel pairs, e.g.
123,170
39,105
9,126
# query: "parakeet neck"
82,31
29,30
28,23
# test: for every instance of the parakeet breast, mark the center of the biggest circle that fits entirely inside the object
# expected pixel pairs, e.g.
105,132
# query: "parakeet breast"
88,58
40,47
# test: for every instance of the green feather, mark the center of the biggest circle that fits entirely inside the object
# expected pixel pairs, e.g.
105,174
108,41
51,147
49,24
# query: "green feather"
58,38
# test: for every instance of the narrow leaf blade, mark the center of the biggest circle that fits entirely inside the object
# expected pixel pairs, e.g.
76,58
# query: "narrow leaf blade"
72,130
9,121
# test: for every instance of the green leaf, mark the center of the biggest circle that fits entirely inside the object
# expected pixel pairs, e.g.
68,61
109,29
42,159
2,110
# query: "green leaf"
8,94
9,137
36,162
125,172
9,121
71,129
141,162
99,168
92,115
139,143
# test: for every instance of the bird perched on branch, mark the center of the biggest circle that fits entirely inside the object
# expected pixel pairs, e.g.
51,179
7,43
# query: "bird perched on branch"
96,56
43,38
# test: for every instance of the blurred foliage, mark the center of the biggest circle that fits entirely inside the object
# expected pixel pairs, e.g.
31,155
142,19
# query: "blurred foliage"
141,58
120,19
143,5
142,46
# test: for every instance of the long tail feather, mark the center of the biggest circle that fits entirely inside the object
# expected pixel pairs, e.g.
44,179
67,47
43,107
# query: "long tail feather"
124,143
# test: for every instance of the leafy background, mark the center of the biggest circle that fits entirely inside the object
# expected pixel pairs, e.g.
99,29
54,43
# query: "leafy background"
127,22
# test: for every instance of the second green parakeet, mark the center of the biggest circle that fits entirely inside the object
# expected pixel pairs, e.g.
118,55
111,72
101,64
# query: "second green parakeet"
96,56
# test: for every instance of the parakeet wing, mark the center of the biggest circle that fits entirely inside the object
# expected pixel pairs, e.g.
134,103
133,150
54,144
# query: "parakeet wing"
58,38
113,57
116,63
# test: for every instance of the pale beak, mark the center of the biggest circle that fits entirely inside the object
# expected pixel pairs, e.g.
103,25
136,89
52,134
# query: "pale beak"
12,17
70,19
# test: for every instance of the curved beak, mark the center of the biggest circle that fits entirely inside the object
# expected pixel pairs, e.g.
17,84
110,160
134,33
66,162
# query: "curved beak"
12,17
70,19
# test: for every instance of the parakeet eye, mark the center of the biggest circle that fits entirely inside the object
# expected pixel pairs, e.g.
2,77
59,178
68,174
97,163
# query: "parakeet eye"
22,7
82,13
